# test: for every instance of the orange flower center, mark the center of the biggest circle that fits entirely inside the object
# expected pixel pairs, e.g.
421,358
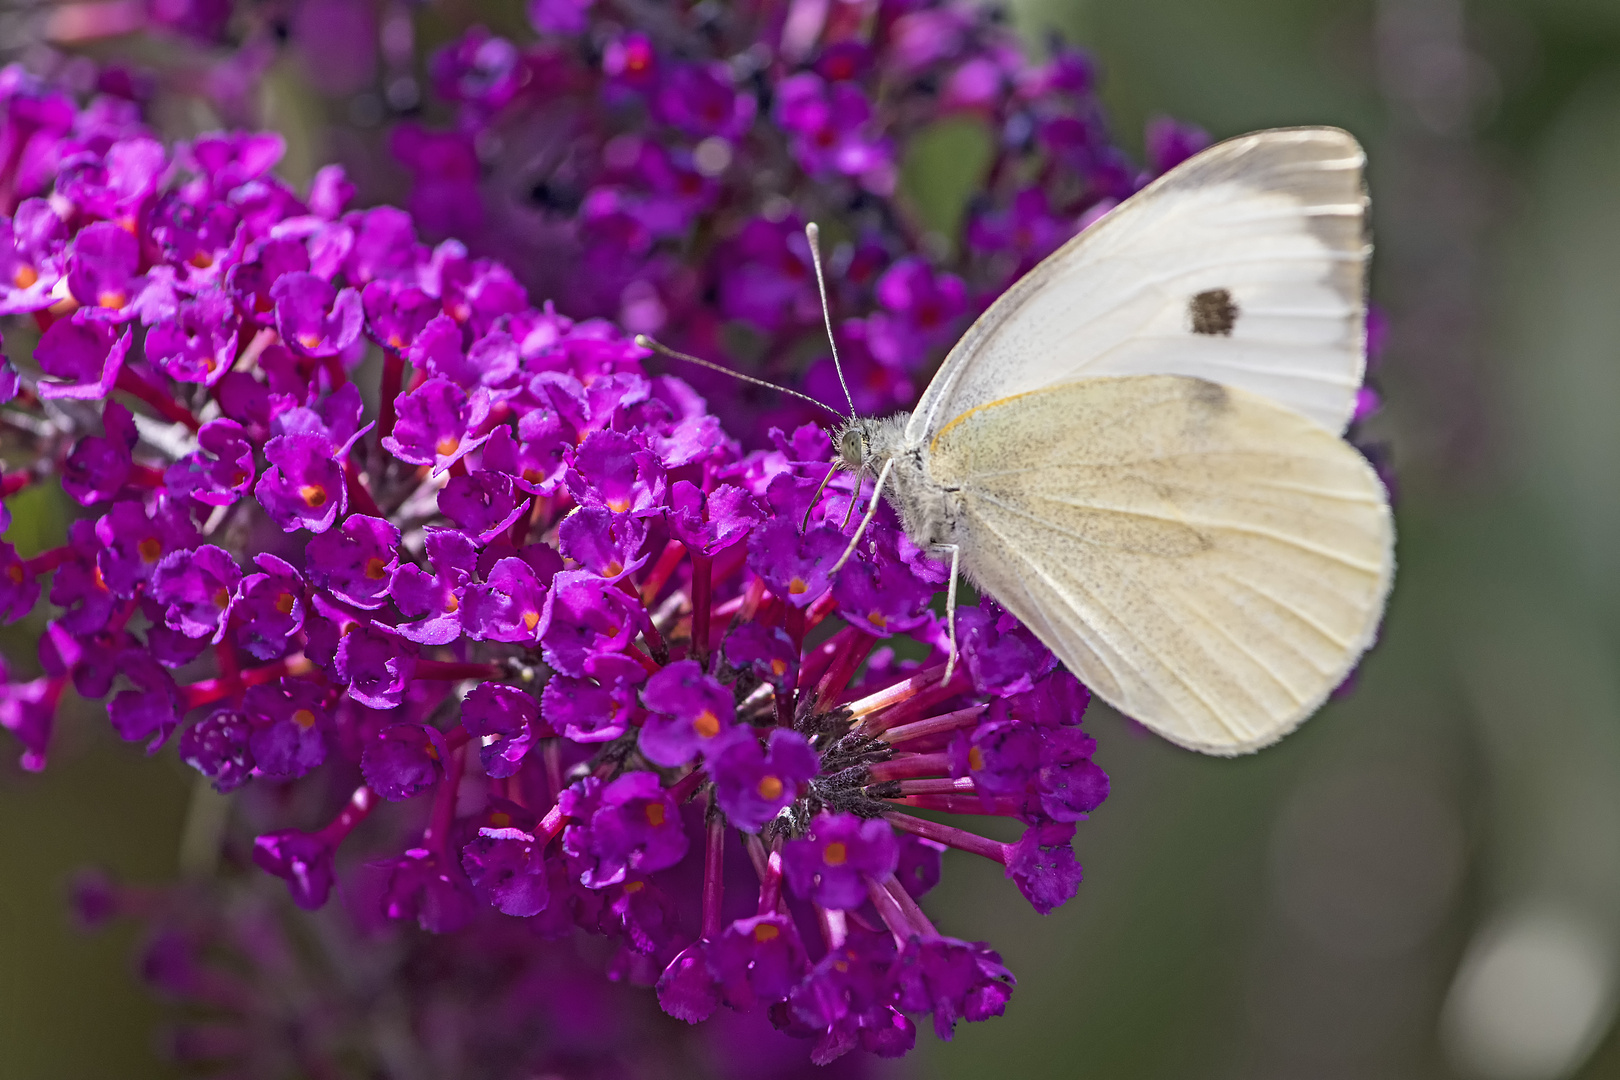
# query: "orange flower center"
975,759
531,619
655,814
500,819
151,549
707,724
835,854
797,586
113,298
15,573
451,604
24,276
202,260
304,719
285,602
309,341
767,932
448,445
376,568
222,596
876,619
314,495
770,788
618,506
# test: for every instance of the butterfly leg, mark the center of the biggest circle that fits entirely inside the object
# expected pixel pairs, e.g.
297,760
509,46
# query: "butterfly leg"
871,512
950,608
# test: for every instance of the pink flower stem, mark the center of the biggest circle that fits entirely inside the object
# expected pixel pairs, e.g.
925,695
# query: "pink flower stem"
896,706
14,482
683,788
653,583
550,825
359,494
939,785
934,725
46,561
950,836
891,914
163,404
207,691
770,888
714,855
908,765
853,649
436,837
908,904
702,598
359,807
964,804
834,926
393,377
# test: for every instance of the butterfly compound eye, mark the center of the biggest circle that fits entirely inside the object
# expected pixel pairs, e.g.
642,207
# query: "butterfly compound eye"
852,448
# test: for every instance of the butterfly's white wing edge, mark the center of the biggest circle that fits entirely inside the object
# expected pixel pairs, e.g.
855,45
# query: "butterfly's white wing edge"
1224,159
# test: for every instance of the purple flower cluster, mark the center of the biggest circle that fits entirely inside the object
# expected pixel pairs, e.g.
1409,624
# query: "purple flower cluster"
699,144
537,590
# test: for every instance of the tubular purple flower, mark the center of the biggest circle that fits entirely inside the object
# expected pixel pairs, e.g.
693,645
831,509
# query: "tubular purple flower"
82,355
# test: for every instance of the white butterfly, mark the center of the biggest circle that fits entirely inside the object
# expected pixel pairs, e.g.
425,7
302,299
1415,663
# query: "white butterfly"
1136,450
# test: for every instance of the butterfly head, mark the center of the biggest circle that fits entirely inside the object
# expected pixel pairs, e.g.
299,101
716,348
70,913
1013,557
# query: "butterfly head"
852,446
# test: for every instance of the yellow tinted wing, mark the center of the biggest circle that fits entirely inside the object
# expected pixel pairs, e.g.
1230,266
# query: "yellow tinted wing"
1209,562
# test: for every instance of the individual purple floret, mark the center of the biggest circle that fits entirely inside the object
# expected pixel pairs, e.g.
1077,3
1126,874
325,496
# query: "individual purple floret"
833,862
32,257
758,958
434,424
151,708
220,471
954,980
431,603
83,357
355,561
753,784
508,606
403,760
376,666
134,538
1043,866
99,466
198,343
314,318
598,708
101,267
197,586
508,871
582,621
689,712
217,747
630,824
503,718
303,860
286,741
304,486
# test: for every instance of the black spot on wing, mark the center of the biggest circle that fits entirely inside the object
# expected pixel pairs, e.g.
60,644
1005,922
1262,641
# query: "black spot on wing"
1213,312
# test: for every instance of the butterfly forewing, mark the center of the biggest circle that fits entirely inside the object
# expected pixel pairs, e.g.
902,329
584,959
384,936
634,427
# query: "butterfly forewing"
1244,265
1211,563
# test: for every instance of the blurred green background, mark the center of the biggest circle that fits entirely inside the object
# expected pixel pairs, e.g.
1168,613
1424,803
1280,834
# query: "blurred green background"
1425,880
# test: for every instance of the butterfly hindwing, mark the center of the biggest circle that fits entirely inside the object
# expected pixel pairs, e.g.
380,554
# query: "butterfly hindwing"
1209,562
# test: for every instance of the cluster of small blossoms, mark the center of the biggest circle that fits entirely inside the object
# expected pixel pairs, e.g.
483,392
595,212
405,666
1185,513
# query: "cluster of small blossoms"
256,995
659,169
353,512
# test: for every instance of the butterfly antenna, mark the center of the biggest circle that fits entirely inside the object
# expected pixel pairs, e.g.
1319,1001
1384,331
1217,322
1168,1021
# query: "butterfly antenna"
648,343
813,234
